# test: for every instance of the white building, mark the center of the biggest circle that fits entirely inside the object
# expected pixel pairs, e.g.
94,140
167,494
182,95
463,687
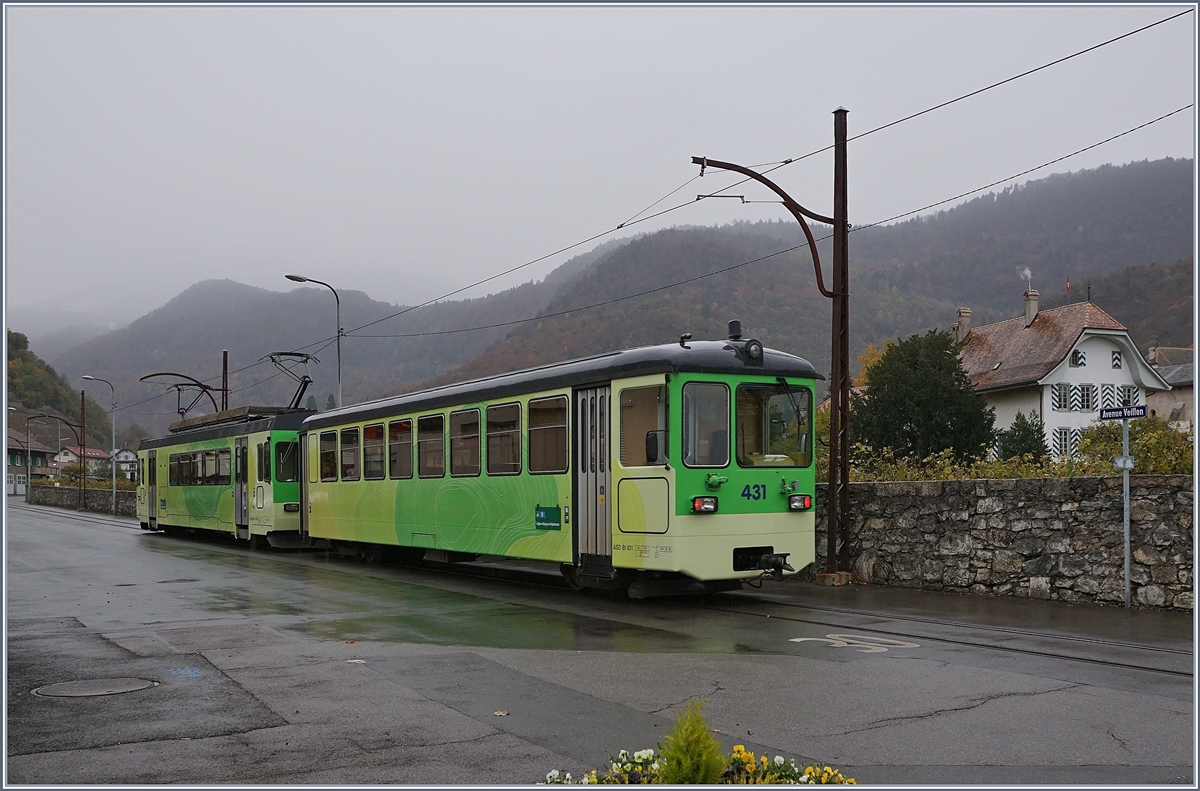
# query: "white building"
1063,364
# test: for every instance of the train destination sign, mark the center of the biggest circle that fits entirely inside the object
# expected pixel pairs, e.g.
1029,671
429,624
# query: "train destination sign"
1122,412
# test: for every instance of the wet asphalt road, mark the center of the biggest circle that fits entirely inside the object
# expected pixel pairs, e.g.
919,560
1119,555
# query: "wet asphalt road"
301,667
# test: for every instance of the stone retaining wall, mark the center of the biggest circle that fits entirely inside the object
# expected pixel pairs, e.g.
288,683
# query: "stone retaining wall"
99,500
1045,538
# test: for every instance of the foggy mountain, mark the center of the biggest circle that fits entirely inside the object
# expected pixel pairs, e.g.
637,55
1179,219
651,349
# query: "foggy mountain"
904,279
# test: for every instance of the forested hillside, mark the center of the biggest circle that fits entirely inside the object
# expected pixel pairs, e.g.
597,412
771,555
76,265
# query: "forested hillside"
33,386
904,279
1154,301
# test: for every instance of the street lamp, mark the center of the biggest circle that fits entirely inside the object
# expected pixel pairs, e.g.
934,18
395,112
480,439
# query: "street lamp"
28,455
112,419
338,304
80,438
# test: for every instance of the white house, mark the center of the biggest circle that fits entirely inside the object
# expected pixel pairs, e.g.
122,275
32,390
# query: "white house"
95,457
1063,364
126,461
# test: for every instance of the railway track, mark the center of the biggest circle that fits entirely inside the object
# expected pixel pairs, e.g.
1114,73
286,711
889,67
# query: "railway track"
750,604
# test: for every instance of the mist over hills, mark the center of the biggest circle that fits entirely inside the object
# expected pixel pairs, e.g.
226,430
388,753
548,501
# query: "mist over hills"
904,278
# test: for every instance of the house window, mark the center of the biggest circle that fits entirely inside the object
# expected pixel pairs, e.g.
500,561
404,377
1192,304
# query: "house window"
1060,397
1116,359
1078,359
1066,442
1129,395
1087,398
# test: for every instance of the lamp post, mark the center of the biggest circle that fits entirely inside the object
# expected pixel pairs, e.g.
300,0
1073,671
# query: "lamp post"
79,438
28,455
338,305
112,419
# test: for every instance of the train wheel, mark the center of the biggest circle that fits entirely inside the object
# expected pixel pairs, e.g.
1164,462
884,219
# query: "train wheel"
260,542
372,553
571,575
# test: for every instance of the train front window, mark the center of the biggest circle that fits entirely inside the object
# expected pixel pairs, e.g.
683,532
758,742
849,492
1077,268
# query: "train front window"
705,411
287,462
774,427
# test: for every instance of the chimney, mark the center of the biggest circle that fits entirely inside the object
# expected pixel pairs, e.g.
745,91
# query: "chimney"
1031,297
963,326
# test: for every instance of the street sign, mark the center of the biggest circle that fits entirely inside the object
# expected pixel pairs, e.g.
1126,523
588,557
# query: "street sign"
1123,462
1122,412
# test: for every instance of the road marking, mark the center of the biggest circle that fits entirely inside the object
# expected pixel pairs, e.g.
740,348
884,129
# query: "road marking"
867,644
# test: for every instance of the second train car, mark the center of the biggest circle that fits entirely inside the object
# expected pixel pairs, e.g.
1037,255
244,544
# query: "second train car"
678,468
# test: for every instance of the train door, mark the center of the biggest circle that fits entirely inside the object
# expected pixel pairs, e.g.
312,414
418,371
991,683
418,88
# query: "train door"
241,487
593,515
152,489
304,468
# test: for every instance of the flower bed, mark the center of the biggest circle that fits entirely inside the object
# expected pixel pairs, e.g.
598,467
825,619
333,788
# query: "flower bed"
691,754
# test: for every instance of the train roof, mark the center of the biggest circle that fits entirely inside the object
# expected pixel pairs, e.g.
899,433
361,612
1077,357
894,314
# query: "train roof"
725,357
229,423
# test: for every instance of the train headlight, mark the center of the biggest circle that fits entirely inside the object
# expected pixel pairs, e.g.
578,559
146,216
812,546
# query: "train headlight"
799,502
754,349
704,505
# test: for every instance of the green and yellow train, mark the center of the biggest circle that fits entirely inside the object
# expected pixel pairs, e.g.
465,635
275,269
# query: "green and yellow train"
679,468
235,472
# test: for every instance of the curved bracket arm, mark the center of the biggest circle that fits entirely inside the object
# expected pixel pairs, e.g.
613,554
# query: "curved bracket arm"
203,387
798,211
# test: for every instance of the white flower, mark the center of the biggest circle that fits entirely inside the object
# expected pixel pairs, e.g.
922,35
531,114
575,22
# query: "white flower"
585,780
623,754
779,760
643,755
654,766
568,777
551,776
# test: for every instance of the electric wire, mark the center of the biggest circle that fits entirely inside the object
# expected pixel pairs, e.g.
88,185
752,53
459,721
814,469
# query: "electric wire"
782,164
780,252
775,166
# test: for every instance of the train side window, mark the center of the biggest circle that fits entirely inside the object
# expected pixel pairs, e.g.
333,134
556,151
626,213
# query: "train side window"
329,465
705,411
431,446
173,470
223,459
373,452
197,470
548,435
464,442
644,426
258,461
287,462
210,468
349,454
400,449
504,439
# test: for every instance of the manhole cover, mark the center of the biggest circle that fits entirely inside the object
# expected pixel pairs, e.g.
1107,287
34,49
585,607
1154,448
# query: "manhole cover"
93,687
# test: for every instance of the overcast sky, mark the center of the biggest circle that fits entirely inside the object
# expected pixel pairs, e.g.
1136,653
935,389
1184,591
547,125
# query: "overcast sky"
408,151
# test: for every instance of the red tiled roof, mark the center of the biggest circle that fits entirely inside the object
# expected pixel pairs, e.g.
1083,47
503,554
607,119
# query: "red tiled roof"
1026,354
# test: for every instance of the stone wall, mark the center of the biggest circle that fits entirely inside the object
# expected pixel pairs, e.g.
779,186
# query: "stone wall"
1045,538
99,500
